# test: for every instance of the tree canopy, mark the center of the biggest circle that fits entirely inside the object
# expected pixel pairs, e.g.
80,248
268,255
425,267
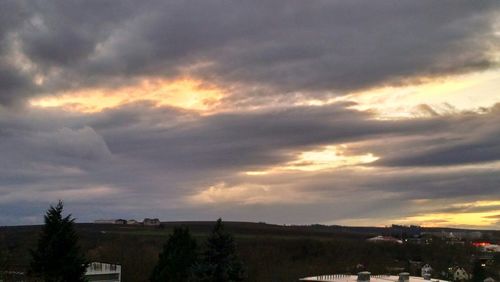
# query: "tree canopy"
58,257
176,261
220,262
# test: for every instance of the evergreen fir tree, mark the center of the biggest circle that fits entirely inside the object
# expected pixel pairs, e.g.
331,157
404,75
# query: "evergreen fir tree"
177,259
3,264
220,262
478,272
57,257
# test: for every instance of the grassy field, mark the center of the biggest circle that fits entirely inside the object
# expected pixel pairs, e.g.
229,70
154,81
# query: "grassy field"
270,252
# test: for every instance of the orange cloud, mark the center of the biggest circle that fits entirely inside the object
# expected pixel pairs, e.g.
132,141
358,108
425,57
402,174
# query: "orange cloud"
184,93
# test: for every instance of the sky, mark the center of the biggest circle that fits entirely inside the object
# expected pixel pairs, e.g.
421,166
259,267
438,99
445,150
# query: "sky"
282,111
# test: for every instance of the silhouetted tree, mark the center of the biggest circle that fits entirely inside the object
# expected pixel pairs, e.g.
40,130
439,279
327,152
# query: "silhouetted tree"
58,257
3,263
177,259
220,262
478,272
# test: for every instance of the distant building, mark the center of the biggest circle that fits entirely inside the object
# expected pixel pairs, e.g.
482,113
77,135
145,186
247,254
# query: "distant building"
120,221
487,247
151,221
110,221
388,239
103,272
457,235
132,222
367,277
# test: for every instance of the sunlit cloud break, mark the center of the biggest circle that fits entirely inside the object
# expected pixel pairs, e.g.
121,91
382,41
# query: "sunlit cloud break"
183,93
329,157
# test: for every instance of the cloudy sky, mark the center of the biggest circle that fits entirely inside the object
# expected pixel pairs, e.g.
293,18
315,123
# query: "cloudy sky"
284,111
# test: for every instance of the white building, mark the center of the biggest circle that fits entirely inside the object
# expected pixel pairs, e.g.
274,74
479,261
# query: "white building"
103,272
367,277
386,239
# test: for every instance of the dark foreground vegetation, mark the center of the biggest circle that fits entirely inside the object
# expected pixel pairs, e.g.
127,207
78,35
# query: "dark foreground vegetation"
269,252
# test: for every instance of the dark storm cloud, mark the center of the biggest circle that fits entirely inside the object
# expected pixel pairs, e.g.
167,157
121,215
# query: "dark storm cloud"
472,139
402,185
470,152
14,84
181,141
444,185
63,33
237,139
286,46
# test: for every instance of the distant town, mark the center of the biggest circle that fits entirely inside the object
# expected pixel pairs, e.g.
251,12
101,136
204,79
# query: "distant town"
146,221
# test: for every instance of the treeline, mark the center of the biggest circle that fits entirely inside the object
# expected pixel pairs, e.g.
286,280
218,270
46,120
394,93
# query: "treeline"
268,253
181,260
58,256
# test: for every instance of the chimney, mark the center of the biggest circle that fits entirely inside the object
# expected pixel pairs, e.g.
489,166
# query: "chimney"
364,276
404,277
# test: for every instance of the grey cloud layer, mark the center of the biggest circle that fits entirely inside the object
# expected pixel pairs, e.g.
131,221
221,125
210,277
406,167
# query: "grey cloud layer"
287,46
472,139
140,160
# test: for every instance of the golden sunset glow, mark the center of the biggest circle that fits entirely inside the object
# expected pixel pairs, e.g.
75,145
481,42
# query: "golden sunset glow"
183,93
248,194
453,219
480,218
461,92
221,193
329,157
